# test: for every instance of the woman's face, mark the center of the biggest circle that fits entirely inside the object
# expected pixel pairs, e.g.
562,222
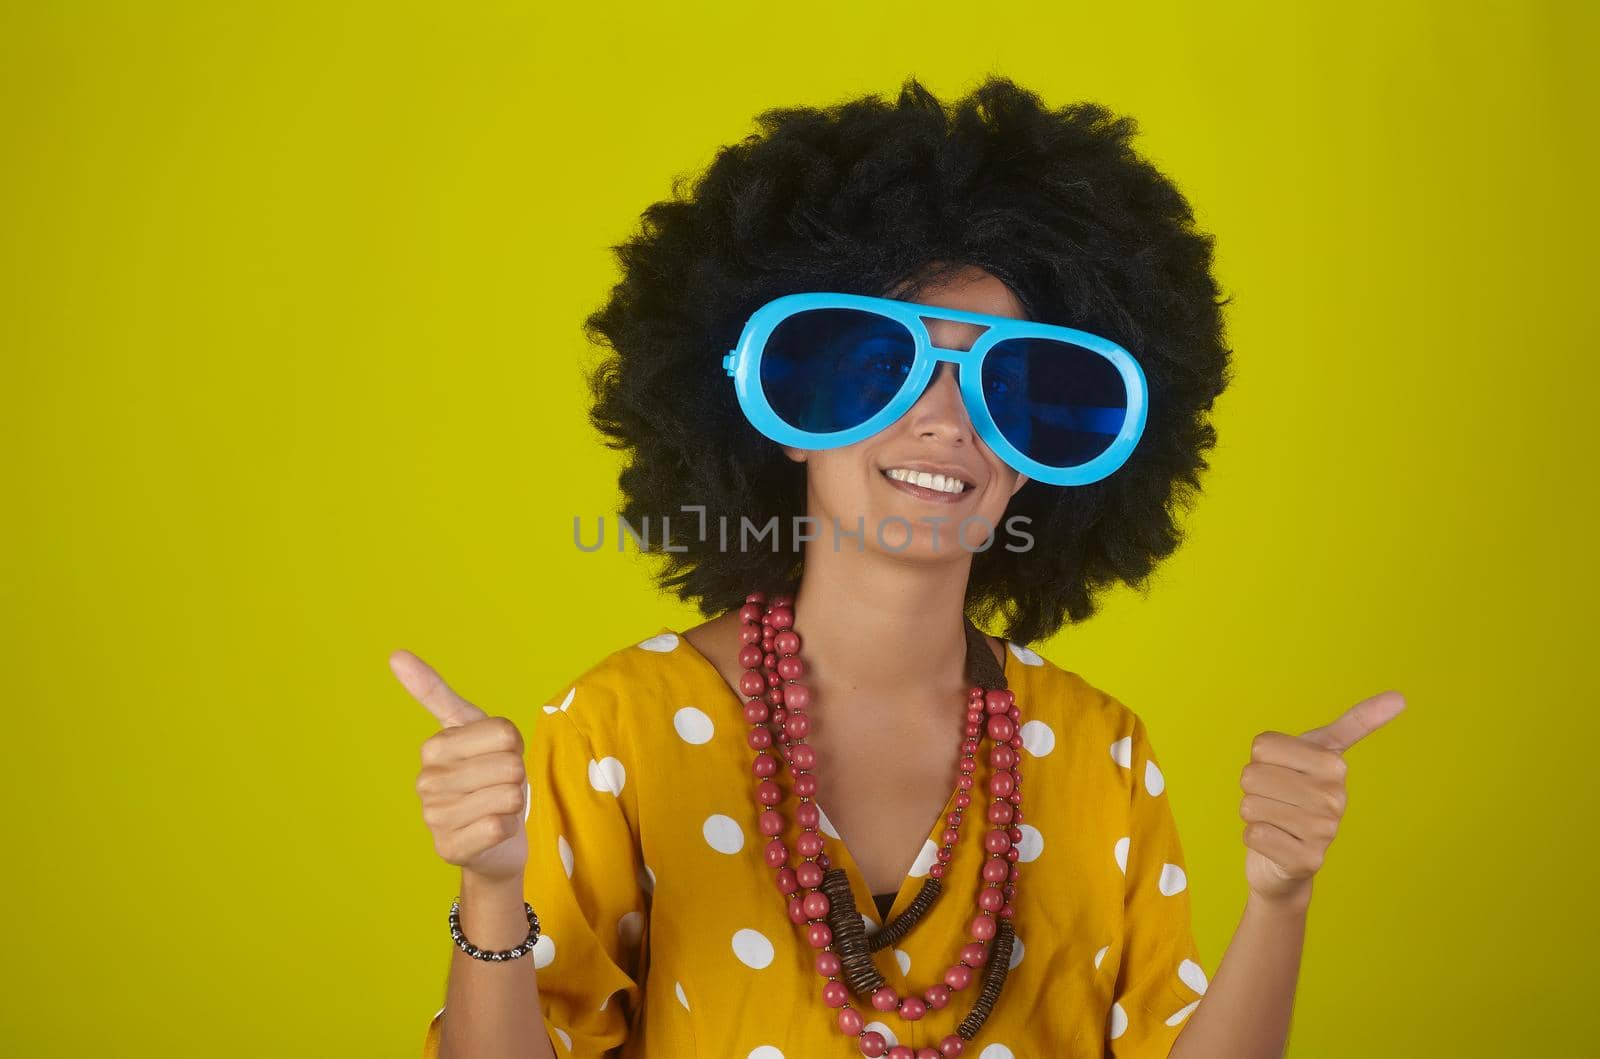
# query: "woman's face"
853,482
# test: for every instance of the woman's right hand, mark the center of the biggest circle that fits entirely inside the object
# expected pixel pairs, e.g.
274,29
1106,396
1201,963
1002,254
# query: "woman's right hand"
473,785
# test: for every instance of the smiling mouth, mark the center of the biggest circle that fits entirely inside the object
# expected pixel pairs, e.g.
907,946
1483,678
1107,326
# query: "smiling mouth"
923,482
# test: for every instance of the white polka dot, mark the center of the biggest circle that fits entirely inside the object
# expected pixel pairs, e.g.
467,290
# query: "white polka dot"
1119,1022
1192,976
607,775
1016,951
693,725
604,1002
723,833
661,643
1172,879
566,702
1122,751
888,1035
764,1051
647,880
1032,843
1182,1013
868,922
544,950
1101,955
1038,738
677,987
903,958
629,928
996,1051
1121,853
752,948
1154,782
823,823
1024,655
527,800
566,1038
565,849
925,859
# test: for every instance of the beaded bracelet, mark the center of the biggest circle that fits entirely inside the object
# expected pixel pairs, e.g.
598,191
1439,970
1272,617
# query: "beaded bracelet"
479,954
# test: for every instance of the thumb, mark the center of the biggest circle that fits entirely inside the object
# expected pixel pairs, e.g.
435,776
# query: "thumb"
429,688
1359,721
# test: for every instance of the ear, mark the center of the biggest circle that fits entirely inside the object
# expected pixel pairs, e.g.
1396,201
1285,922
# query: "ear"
797,455
1022,480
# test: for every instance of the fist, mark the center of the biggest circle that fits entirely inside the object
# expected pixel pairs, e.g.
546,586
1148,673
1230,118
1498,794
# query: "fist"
1295,799
473,786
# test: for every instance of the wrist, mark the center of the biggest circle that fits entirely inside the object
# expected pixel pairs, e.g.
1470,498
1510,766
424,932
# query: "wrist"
491,914
482,889
1282,906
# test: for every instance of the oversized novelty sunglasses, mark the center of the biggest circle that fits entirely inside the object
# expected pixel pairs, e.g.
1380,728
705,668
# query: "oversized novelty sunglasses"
820,370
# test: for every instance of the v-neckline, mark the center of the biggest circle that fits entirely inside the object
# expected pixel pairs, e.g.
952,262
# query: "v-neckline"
842,857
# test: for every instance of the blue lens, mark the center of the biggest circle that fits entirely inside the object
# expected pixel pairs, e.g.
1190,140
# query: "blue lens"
1059,403
827,370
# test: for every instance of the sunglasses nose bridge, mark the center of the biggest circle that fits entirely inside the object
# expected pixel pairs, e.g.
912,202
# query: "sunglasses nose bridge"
957,359
936,403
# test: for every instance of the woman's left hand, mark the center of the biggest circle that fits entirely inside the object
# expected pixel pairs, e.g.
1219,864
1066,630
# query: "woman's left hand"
1295,797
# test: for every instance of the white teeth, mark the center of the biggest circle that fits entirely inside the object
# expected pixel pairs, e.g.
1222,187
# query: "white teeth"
927,481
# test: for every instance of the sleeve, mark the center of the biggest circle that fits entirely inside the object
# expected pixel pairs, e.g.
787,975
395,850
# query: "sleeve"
1160,981
583,881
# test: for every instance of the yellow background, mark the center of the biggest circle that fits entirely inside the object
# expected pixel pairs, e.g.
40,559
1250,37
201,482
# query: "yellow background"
290,299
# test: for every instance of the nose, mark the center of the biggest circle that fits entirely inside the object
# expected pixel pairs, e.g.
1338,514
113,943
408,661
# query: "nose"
940,413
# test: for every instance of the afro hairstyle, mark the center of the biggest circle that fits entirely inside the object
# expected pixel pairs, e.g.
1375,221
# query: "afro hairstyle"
867,197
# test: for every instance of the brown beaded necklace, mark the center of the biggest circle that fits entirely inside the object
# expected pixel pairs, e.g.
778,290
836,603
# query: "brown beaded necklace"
819,895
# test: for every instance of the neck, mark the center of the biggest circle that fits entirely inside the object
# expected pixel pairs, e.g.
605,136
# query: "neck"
881,635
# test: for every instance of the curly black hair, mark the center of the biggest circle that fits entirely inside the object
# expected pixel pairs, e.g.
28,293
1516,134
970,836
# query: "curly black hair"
866,196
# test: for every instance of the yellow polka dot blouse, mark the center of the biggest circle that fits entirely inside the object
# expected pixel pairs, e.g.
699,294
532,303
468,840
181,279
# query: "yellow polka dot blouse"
665,936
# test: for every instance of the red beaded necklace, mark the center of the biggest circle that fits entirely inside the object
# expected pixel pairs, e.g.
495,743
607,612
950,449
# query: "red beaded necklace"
819,895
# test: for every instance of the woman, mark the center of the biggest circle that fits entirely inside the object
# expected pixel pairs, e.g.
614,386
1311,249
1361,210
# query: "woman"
892,370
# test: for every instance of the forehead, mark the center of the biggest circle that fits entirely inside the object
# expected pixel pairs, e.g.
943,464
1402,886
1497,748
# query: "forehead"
971,289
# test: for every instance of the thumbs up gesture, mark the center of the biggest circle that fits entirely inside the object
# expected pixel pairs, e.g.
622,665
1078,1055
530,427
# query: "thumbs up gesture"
1295,797
473,786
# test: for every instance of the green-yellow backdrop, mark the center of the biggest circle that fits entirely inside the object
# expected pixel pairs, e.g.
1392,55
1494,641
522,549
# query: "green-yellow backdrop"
290,299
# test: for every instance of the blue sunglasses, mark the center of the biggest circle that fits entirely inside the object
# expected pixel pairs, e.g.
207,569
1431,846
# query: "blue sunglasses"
821,370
